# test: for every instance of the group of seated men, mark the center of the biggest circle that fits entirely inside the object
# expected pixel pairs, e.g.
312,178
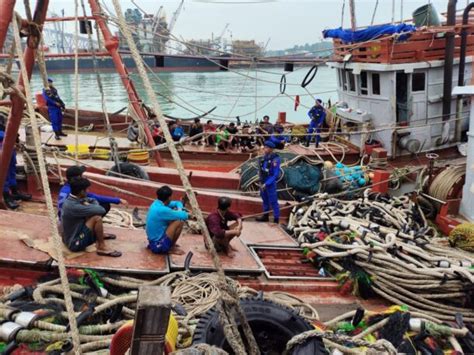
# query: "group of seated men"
226,137
81,219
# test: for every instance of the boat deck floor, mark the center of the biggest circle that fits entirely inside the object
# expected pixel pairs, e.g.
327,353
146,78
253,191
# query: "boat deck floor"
136,258
21,264
200,154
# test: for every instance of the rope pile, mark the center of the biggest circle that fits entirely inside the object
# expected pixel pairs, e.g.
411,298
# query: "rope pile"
442,184
110,301
382,245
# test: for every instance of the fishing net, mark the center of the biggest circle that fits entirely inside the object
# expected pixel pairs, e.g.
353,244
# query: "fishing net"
299,176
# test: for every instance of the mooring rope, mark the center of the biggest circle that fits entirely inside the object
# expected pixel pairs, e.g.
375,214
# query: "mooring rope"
47,192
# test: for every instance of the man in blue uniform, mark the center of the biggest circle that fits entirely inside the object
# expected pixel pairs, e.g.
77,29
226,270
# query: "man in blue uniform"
317,115
55,109
268,172
10,187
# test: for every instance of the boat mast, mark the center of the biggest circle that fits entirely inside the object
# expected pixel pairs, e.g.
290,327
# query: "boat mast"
17,104
112,44
352,12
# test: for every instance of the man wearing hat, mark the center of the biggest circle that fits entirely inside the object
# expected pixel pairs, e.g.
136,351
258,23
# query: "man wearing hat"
317,115
74,172
55,109
269,170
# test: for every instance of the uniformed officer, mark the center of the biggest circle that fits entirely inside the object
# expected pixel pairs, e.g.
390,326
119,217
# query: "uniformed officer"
55,109
317,115
10,188
269,170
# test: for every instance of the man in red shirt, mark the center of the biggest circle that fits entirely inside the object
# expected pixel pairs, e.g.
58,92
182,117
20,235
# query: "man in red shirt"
218,224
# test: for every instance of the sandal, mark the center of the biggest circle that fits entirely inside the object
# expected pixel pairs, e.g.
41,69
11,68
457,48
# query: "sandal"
112,253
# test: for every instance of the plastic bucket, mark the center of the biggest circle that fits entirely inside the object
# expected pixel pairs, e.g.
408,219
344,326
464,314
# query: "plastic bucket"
82,151
426,15
101,154
138,156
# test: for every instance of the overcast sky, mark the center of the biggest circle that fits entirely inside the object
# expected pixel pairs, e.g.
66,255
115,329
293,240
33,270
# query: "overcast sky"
283,23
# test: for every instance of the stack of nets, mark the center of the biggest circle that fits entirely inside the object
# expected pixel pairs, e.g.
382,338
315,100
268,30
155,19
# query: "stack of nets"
299,176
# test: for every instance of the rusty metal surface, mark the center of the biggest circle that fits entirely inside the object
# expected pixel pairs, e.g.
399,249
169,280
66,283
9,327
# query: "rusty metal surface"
243,261
255,233
136,258
286,263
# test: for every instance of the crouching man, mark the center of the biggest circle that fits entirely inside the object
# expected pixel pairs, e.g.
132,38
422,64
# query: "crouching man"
164,223
221,231
81,221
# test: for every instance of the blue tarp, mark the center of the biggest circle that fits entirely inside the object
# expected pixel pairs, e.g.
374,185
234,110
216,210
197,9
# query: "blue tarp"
370,33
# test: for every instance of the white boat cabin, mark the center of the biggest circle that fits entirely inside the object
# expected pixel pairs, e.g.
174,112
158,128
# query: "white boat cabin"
400,103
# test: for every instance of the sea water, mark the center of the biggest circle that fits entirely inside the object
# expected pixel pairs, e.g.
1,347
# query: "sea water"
246,93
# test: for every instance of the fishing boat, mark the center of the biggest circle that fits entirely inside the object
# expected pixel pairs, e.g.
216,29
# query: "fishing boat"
269,257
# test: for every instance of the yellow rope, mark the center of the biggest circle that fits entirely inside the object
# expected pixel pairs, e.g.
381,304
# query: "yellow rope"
462,236
47,192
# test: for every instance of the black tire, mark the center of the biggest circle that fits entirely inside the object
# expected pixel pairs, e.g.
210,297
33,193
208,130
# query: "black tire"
272,325
129,169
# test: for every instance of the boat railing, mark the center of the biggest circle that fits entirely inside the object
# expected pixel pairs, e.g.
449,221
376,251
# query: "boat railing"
426,44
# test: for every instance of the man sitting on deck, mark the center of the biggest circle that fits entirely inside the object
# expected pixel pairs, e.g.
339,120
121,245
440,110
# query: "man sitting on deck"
82,221
221,232
165,221
74,172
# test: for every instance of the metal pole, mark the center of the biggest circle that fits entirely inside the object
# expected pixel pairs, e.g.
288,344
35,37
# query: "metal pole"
393,11
111,43
16,112
462,68
6,9
352,12
448,61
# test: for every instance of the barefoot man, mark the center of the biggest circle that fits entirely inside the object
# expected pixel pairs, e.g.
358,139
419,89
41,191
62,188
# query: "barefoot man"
81,221
218,224
164,223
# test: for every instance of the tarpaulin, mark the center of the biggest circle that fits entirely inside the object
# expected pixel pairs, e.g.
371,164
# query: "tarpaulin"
369,33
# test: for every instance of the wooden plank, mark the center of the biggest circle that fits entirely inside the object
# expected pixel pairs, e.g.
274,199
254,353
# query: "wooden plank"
151,320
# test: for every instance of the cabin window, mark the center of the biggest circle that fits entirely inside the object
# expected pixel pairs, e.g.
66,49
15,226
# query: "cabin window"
352,85
418,82
375,84
339,77
344,80
363,83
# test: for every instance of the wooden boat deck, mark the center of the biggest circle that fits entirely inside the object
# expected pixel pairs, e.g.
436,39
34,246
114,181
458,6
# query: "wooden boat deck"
136,258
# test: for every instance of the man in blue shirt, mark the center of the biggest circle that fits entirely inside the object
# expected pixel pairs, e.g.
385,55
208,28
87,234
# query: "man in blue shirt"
317,115
55,109
75,172
164,222
269,172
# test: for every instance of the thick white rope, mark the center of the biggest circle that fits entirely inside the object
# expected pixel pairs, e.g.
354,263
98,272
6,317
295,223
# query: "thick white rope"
232,334
47,193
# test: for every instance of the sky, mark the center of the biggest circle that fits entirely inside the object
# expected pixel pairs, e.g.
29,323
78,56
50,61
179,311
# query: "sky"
279,23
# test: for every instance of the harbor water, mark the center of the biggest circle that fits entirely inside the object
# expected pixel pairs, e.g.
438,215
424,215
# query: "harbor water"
239,92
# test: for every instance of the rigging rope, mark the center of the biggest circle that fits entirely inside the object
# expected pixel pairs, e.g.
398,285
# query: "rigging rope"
112,142
47,192
230,301
76,79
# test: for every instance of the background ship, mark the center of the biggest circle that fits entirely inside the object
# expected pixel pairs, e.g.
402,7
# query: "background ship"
152,34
